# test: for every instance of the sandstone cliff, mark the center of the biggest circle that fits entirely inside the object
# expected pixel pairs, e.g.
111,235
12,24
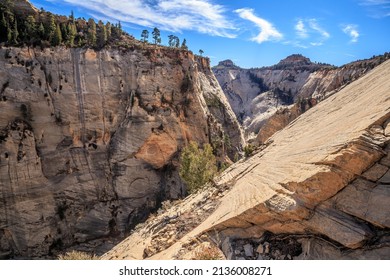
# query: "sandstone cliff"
319,190
89,140
257,94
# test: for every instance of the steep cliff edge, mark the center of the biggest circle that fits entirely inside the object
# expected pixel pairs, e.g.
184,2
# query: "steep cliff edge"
257,94
89,140
319,190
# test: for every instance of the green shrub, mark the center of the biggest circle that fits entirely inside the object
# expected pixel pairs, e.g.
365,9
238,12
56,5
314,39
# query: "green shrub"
198,166
248,150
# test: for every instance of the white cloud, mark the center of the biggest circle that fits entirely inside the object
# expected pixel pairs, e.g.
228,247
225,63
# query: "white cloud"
374,2
301,29
315,26
376,8
309,33
172,15
351,31
267,31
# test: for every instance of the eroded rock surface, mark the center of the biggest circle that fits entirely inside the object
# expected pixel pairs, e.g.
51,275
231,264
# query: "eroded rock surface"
90,140
258,94
320,188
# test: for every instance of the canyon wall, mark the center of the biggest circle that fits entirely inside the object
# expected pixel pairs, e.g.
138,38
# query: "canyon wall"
319,189
257,94
90,140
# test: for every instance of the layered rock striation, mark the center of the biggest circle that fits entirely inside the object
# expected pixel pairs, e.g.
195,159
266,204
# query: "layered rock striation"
257,94
90,140
319,189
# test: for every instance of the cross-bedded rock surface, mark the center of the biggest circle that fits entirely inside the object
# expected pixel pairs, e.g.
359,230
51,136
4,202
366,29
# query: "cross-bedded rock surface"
320,189
89,140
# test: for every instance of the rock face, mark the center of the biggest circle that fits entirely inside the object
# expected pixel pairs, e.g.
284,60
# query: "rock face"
89,140
23,7
319,190
257,94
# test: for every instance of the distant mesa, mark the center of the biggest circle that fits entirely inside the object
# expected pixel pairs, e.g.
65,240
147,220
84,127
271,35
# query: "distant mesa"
295,60
226,63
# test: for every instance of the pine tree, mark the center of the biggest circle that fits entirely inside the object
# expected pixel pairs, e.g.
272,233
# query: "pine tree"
101,35
50,28
30,27
184,44
145,35
170,41
41,31
71,33
91,32
174,41
64,32
57,37
108,30
177,42
71,17
156,36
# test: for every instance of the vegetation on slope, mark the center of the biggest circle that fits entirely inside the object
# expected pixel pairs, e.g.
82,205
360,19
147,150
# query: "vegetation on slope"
198,166
45,29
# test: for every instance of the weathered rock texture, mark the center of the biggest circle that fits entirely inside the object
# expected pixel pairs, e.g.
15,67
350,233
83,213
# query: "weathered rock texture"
257,94
319,190
89,140
23,7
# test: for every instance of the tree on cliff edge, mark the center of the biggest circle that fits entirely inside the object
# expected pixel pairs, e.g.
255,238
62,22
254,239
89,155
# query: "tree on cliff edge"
145,35
156,36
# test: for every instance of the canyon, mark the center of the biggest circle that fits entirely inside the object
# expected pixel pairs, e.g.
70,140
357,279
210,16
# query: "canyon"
91,137
318,189
263,98
90,140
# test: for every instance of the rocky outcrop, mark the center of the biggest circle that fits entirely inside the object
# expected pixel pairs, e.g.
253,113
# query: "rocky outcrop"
257,94
318,190
21,7
90,140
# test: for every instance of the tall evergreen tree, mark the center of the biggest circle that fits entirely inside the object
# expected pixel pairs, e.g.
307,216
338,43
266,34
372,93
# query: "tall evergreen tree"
156,36
145,35
177,42
64,32
30,27
71,33
171,41
50,29
101,35
71,17
91,32
108,30
41,30
57,37
184,44
174,41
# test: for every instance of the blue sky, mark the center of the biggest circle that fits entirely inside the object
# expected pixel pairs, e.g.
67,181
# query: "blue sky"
253,33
